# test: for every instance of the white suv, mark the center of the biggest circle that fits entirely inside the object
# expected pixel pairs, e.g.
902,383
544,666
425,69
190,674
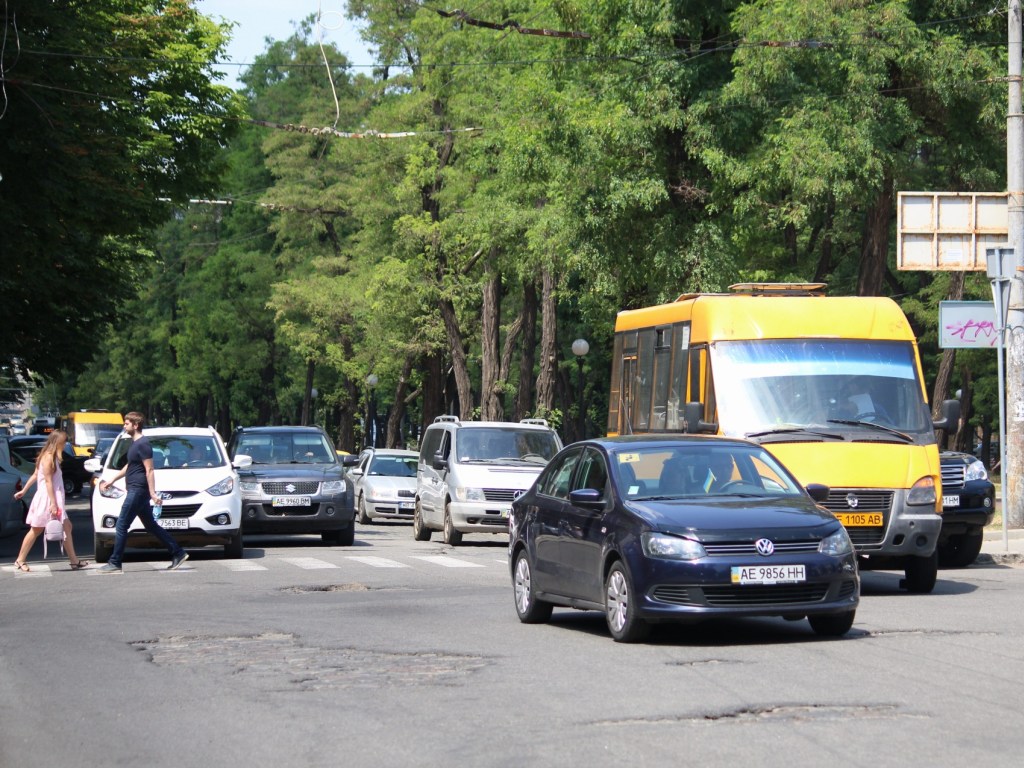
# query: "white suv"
470,472
202,501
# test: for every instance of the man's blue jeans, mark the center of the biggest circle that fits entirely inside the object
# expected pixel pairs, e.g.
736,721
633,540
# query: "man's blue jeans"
136,504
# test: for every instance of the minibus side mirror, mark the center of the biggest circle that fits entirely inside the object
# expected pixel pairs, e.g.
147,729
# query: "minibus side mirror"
439,462
692,413
950,420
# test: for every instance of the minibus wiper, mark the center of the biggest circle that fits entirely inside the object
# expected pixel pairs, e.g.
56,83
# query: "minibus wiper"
794,431
872,425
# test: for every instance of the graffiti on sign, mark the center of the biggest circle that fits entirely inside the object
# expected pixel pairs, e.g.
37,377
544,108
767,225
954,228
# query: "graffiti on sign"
967,325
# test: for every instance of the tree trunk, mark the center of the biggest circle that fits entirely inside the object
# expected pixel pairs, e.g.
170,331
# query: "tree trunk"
394,431
460,366
490,341
965,435
945,375
433,389
307,393
527,359
875,245
548,345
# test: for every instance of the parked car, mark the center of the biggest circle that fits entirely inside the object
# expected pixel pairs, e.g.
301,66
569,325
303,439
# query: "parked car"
198,483
968,505
295,483
469,473
679,529
72,467
14,473
384,484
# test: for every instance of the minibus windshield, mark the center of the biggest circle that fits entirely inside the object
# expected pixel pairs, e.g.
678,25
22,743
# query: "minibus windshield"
826,385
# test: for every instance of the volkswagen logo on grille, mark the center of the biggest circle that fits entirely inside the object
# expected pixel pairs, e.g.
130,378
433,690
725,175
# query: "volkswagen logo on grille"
764,547
852,501
290,487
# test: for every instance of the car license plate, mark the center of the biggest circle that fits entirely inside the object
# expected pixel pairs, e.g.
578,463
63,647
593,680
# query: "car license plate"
406,505
505,512
768,574
865,519
174,522
290,501
951,501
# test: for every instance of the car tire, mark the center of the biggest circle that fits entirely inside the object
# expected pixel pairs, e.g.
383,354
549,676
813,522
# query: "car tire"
235,548
961,550
101,550
620,609
364,519
833,624
451,537
344,537
530,609
420,531
921,574
69,486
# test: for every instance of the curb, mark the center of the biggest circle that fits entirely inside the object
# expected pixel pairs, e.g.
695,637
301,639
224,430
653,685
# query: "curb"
1000,558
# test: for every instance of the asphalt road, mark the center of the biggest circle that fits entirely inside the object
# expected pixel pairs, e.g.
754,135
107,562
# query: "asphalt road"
401,653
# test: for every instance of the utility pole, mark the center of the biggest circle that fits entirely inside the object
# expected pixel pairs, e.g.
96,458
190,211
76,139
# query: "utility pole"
1013,469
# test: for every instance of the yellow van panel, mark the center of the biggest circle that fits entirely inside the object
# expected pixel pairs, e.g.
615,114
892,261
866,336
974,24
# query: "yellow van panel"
858,465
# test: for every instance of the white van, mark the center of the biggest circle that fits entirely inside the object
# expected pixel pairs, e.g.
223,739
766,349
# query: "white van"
470,472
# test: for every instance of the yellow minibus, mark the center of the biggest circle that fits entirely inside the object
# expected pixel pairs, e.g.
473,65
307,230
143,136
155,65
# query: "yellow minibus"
832,386
85,427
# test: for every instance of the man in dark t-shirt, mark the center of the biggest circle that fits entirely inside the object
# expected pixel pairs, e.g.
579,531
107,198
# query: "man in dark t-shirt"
140,486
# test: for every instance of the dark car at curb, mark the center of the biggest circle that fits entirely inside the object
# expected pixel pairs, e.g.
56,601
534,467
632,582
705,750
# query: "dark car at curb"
968,505
651,529
296,483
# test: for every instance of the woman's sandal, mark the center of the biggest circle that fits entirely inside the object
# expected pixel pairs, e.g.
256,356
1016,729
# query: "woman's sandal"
79,565
21,567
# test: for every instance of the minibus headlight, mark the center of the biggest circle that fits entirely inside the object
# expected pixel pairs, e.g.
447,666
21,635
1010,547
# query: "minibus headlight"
923,492
470,494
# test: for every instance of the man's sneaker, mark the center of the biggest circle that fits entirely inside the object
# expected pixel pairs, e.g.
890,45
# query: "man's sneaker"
109,568
175,562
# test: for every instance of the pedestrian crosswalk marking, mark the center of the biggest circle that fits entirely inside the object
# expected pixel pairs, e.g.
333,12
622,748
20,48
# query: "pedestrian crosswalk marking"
447,562
242,565
379,562
37,570
308,563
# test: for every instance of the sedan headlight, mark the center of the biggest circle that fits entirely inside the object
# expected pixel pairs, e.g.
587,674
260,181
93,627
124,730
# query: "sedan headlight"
666,547
111,492
470,494
837,545
249,486
225,486
382,493
976,471
333,486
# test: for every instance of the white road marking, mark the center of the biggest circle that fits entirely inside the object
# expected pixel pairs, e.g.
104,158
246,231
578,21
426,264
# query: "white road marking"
242,565
37,570
378,562
447,562
308,563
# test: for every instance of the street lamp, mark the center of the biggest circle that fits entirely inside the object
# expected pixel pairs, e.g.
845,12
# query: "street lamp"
580,347
371,412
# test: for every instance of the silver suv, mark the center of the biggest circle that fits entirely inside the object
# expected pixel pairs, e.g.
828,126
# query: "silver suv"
470,472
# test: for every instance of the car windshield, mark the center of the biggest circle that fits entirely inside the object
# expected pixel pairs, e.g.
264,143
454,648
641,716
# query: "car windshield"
700,469
503,444
777,384
174,452
393,466
287,448
87,434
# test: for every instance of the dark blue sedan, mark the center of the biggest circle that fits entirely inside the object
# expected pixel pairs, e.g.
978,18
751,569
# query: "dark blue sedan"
678,528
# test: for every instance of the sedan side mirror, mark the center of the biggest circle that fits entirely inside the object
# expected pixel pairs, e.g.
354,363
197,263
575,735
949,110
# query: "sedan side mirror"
818,492
93,465
588,498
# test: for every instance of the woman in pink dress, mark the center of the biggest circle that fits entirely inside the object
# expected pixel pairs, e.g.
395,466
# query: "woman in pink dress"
48,502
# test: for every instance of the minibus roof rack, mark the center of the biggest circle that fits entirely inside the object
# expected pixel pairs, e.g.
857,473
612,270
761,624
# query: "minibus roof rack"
780,289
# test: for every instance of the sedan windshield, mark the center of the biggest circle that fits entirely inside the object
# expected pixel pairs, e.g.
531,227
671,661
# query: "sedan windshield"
782,386
700,469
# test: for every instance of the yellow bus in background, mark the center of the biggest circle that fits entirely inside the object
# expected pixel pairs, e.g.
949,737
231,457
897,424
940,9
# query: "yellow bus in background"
85,427
832,386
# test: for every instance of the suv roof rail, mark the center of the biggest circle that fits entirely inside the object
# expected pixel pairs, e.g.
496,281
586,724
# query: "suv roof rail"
540,422
446,417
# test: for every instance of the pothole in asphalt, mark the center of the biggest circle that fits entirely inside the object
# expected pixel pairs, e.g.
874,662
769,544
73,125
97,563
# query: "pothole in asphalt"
702,662
280,661
785,713
928,633
303,588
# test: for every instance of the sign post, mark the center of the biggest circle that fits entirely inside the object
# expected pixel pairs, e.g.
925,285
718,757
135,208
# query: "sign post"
1001,265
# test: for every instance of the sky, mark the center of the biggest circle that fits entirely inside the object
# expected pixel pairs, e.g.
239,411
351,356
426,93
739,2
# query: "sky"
258,19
